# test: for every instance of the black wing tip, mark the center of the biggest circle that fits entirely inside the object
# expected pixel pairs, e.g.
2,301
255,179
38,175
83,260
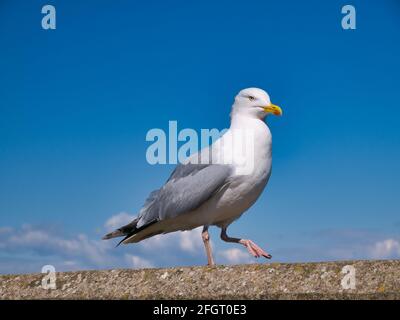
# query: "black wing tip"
123,231
119,243
114,234
127,232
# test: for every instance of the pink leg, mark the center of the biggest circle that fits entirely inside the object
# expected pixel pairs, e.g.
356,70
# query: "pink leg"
254,249
206,239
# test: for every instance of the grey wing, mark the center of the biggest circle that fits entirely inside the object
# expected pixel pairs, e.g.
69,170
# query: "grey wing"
188,187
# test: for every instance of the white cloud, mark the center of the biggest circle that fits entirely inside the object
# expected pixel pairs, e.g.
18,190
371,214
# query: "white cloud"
44,242
235,256
191,241
387,248
159,241
138,262
5,230
29,237
187,241
70,263
28,248
118,220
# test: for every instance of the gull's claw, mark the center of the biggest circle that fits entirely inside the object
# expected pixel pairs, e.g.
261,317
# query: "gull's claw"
254,249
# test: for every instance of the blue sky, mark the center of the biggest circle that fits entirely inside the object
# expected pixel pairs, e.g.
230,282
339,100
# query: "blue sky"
76,104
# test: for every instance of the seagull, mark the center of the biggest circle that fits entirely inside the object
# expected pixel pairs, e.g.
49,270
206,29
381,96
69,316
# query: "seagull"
215,186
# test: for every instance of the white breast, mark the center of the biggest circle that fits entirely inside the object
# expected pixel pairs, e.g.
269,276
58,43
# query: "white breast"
249,177
247,180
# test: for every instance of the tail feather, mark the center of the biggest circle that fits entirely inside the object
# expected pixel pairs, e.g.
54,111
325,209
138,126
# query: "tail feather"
114,234
137,230
128,231
123,231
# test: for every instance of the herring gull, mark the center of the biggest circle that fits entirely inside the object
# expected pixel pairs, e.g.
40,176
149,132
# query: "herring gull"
219,190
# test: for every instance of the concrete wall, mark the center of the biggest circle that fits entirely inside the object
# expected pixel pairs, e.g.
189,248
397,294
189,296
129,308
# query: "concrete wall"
373,280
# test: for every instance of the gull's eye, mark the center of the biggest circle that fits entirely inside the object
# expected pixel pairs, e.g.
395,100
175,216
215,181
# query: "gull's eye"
251,98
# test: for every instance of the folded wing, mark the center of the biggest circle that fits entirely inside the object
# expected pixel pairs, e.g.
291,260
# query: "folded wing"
188,187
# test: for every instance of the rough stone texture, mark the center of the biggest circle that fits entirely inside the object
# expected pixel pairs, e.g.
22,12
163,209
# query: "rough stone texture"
374,280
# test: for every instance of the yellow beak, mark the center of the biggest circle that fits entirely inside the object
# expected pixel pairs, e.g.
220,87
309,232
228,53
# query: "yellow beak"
273,109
